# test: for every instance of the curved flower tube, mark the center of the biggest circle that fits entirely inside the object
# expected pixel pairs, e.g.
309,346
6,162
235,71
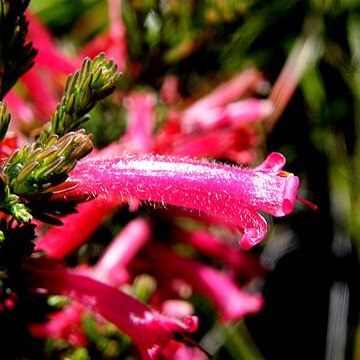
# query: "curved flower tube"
231,193
60,241
110,269
150,330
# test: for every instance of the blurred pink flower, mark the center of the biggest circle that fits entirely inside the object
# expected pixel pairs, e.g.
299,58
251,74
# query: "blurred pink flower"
64,324
111,269
114,41
241,263
140,122
231,302
59,242
150,330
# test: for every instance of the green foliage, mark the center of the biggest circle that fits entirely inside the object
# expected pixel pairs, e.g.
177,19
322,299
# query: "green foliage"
16,55
106,338
60,14
34,169
95,80
33,172
15,244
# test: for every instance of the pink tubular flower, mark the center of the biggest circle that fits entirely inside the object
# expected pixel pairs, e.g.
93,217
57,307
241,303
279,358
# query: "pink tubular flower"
64,324
113,42
241,262
59,242
217,126
235,114
229,91
233,194
141,121
111,267
231,302
49,55
150,330
233,143
224,143
218,98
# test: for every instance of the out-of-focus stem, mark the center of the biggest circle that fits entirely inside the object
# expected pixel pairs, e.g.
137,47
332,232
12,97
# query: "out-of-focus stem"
305,53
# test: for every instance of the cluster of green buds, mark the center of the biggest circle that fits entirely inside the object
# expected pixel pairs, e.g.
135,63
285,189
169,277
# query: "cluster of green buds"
95,80
32,173
35,169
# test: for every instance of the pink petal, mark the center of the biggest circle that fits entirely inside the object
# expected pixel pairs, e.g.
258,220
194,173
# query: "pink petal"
236,114
43,98
48,55
64,324
22,112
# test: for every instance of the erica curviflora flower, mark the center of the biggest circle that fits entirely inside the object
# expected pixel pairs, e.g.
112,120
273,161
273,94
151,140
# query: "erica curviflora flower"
169,158
232,194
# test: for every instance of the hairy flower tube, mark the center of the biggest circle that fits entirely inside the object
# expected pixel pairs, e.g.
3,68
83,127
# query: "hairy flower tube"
233,194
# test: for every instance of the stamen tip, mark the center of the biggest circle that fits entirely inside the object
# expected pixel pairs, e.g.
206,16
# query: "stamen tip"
308,203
